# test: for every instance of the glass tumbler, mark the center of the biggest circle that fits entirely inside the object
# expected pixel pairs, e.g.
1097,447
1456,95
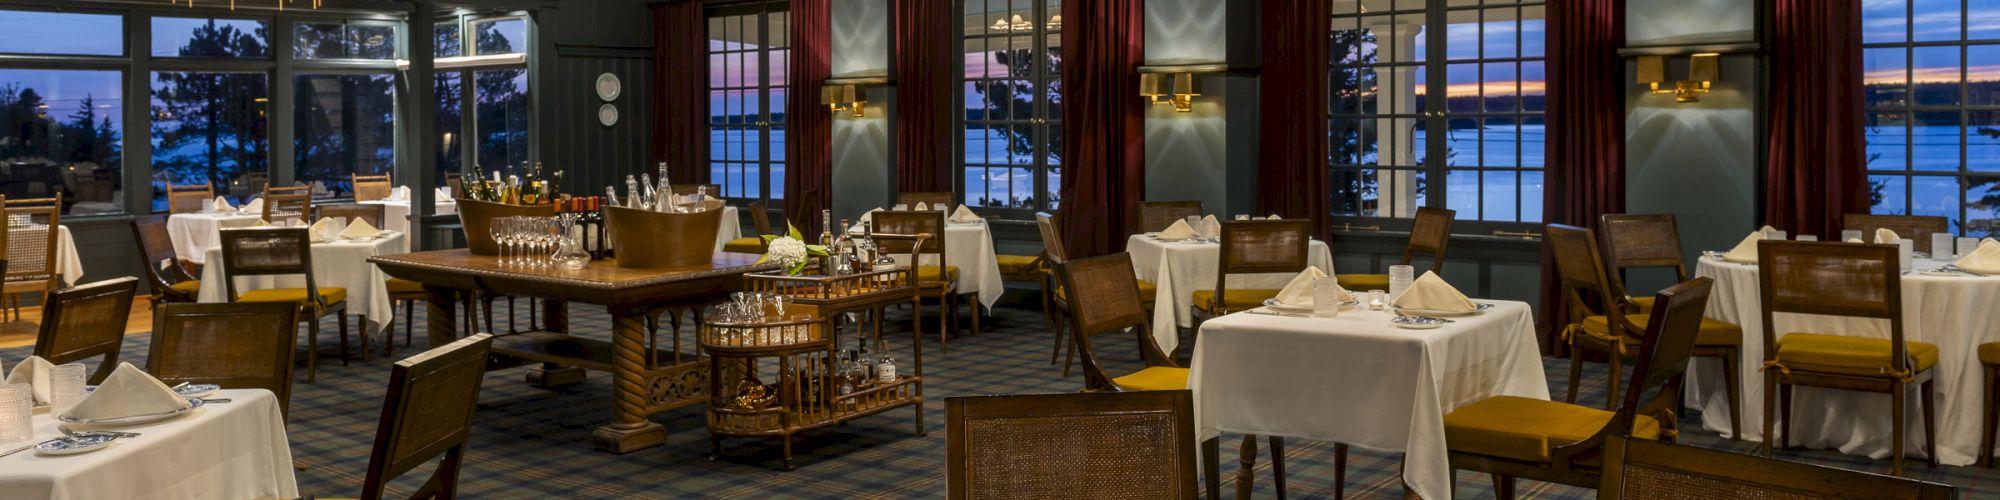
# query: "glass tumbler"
1851,235
17,402
65,388
1326,297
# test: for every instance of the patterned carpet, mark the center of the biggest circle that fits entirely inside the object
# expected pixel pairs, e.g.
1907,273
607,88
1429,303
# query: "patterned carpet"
534,443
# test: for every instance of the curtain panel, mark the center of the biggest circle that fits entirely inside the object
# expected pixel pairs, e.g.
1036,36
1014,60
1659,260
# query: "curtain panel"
1103,127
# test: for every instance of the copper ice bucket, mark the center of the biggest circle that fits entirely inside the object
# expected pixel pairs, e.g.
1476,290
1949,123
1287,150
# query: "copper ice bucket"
644,239
477,219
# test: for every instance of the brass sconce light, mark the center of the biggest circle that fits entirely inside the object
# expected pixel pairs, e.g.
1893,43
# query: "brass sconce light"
1185,90
1153,87
1703,70
839,98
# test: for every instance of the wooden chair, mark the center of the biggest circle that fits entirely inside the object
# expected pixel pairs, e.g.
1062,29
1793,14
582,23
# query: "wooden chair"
760,217
1916,228
932,198
87,321
352,212
1601,319
1430,233
1638,469
155,249
32,237
371,187
1157,215
1989,369
1841,279
293,202
1055,302
1653,241
714,190
1252,247
937,280
1090,445
187,198
237,346
285,251
456,182
426,415
1515,437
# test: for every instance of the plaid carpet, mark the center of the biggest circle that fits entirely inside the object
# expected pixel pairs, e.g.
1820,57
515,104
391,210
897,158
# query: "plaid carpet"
534,443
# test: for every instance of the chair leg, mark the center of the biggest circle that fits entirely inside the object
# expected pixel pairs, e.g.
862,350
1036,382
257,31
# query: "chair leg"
1340,471
1055,328
312,351
1732,374
1929,400
361,327
948,320
1986,424
974,306
1770,410
342,316
1785,415
1503,486
1575,371
1278,464
1211,467
1611,396
1898,395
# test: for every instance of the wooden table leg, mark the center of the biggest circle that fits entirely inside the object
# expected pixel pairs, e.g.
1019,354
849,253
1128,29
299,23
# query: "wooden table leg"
1211,467
630,430
555,318
1246,466
441,319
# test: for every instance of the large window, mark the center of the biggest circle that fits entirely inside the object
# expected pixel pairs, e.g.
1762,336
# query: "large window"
1932,91
748,63
343,125
496,93
209,128
1479,150
61,130
1012,95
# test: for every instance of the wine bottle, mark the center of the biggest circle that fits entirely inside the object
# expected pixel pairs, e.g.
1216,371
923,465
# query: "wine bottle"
611,195
826,229
632,199
665,201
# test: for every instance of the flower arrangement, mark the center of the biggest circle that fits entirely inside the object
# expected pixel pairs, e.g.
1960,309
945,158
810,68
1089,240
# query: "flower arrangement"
791,250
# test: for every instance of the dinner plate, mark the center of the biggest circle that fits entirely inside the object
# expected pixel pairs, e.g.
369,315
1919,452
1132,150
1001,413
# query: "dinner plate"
193,403
1940,272
186,391
1282,307
72,445
1418,322
1482,307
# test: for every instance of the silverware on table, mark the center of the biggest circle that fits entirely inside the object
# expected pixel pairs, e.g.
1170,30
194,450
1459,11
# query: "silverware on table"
1275,313
72,432
216,401
28,447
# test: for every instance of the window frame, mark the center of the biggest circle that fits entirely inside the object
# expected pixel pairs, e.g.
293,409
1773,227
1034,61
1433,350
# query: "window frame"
1909,172
767,126
468,116
1045,122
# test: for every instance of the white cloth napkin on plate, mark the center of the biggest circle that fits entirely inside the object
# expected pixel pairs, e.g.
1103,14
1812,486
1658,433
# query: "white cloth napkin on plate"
222,204
1745,252
1854,240
437,195
1984,259
256,205
1275,217
317,233
1429,292
129,391
1299,292
964,214
921,207
1178,231
359,229
1210,228
34,371
1886,237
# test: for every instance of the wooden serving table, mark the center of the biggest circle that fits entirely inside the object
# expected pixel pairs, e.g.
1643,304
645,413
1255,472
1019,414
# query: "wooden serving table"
644,382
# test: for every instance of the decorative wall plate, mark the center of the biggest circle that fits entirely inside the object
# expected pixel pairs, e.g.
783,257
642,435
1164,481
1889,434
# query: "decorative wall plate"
608,87
607,114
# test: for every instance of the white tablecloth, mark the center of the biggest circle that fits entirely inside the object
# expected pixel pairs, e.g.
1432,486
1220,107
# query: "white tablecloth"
234,450
20,249
730,229
1178,269
195,234
970,247
1357,380
396,215
1956,313
341,264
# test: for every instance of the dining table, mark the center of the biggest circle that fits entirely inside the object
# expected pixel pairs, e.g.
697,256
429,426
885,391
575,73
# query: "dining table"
339,263
23,248
1178,268
1952,309
195,233
396,214
1358,380
236,449
968,245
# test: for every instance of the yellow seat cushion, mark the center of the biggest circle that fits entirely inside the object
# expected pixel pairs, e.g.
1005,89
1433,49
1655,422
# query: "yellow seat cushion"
1848,355
1235,300
1645,303
399,285
331,294
1362,282
1712,333
1989,353
1019,267
189,287
1155,378
927,276
1526,429
744,245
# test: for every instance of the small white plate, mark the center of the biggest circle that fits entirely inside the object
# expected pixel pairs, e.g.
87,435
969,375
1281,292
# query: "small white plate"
1417,322
1482,307
75,445
186,391
1274,305
193,404
1940,272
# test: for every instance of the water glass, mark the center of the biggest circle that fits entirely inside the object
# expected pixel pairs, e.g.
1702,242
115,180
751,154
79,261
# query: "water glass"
1966,246
17,402
1776,235
1377,300
1906,248
65,387
1242,216
1851,235
779,301
1808,237
1326,297
1941,245
1194,222
1400,278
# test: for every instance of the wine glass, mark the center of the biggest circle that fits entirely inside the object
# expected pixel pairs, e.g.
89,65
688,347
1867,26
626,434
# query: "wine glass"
498,226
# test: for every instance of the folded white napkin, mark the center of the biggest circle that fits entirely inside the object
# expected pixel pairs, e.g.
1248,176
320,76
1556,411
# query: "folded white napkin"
1746,251
1984,259
359,229
256,205
869,216
34,371
438,194
1299,292
1275,217
921,207
1178,231
317,233
964,215
1854,240
1431,293
1885,236
222,204
1767,229
1210,227
129,391
399,193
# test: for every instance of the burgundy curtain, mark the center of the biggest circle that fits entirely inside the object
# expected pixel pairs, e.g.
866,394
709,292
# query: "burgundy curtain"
925,31
1817,166
1585,177
1292,177
808,126
680,69
1103,124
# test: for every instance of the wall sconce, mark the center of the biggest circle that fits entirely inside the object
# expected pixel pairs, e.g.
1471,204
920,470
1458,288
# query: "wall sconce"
1185,90
1153,87
839,98
1703,71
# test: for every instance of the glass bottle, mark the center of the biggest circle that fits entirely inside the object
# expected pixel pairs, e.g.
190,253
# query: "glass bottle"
611,195
843,252
700,198
646,190
665,196
865,363
632,199
885,369
826,229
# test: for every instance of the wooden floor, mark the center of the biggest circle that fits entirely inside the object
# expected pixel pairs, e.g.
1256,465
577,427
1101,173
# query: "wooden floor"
21,332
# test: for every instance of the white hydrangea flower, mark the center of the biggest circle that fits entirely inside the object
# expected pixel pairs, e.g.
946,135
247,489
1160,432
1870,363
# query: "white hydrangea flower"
788,251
